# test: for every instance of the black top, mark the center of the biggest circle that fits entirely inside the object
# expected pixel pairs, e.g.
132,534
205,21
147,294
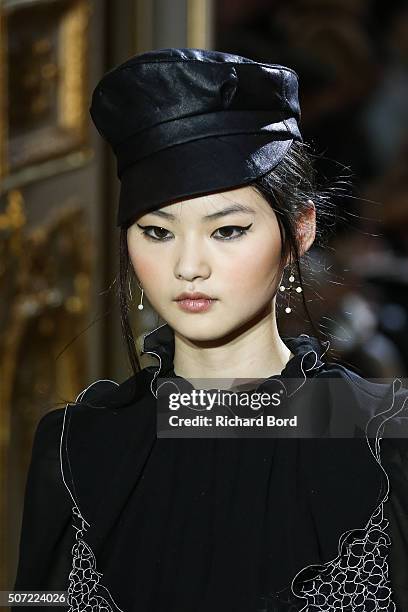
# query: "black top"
128,521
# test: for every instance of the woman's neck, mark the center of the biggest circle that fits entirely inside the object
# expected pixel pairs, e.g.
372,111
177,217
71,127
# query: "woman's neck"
255,352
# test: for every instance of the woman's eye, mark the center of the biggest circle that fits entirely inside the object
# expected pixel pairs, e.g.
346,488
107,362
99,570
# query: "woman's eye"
161,231
148,228
227,228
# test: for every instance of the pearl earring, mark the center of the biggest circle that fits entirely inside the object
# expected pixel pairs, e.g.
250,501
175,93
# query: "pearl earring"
140,306
290,289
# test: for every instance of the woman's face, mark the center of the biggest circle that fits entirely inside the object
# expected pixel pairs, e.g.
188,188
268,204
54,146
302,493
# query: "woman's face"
226,245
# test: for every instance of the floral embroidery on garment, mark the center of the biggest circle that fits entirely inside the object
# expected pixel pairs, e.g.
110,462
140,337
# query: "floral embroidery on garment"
358,579
84,586
85,591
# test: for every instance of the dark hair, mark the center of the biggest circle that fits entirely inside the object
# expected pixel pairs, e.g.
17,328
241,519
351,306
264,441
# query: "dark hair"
287,188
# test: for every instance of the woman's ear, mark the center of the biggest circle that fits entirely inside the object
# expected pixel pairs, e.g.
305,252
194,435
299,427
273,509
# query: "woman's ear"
307,228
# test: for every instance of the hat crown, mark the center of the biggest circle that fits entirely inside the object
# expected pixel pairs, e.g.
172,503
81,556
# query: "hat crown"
228,118
167,84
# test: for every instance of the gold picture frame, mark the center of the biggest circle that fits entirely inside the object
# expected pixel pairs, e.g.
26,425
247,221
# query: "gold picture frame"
43,81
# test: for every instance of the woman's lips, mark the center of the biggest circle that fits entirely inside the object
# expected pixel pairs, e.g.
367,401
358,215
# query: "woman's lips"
197,305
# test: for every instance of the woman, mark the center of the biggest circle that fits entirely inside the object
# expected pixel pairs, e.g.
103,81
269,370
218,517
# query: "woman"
217,198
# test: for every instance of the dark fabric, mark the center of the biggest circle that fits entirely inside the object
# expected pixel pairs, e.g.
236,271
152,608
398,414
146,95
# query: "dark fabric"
395,461
47,536
193,525
227,118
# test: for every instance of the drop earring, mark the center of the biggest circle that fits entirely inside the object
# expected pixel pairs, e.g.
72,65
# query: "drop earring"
140,305
290,289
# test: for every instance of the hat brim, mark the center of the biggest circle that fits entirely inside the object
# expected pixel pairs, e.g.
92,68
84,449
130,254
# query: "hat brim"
195,168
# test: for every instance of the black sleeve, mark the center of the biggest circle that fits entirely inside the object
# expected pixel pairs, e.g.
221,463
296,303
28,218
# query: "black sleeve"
47,535
394,458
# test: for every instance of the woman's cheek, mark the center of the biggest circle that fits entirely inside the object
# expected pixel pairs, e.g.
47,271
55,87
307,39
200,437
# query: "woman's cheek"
145,268
254,267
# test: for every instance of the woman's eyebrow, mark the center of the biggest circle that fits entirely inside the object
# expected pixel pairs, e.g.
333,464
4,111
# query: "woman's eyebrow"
234,208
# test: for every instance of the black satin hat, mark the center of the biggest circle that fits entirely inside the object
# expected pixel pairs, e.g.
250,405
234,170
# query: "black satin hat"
188,122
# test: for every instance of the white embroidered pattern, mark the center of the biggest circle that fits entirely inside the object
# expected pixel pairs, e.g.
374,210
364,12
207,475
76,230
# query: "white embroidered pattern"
357,580
85,591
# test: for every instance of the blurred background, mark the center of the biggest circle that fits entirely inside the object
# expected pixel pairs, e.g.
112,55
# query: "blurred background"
59,318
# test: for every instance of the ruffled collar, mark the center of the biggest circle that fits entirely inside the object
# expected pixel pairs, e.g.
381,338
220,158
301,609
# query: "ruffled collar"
307,356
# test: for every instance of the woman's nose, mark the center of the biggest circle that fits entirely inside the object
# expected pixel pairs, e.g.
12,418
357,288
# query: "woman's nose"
191,261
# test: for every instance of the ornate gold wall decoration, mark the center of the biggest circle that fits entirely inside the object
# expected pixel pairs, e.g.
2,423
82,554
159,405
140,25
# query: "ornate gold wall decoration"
45,277
43,67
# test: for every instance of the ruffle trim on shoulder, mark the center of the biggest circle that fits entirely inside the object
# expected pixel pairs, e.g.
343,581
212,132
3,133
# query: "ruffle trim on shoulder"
86,593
